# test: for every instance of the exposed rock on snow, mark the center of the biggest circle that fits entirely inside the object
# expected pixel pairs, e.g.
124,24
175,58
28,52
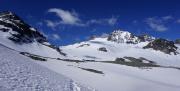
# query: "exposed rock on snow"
163,45
18,35
144,38
134,62
83,45
92,37
19,31
102,49
122,37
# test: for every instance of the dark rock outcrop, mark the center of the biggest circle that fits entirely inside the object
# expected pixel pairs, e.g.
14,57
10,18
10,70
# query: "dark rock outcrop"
162,45
92,37
102,49
83,45
19,31
145,37
177,41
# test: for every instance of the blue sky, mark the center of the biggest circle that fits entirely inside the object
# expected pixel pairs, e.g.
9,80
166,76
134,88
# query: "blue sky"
68,21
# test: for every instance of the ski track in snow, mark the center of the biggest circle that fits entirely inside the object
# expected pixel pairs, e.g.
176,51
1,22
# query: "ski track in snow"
19,73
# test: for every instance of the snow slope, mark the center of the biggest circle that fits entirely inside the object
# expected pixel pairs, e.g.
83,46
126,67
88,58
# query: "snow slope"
34,48
115,50
16,34
117,77
19,73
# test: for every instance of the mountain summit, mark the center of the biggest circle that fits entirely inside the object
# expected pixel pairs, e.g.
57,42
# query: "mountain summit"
18,35
120,36
18,31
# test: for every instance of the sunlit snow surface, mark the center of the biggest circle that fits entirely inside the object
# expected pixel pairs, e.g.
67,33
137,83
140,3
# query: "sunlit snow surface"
19,73
118,77
116,50
34,48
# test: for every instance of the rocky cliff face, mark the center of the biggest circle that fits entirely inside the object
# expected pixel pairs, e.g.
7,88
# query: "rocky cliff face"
144,38
162,45
123,37
18,30
120,36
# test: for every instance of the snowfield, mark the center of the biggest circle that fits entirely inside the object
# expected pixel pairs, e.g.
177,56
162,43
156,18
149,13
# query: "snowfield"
19,73
22,73
117,77
34,48
116,50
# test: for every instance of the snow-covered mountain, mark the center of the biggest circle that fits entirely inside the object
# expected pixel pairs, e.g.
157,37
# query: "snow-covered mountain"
120,61
16,34
121,36
121,66
19,71
18,30
121,44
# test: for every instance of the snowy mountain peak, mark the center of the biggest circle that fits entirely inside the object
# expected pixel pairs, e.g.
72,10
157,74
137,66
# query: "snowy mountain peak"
9,17
5,13
17,30
18,35
120,36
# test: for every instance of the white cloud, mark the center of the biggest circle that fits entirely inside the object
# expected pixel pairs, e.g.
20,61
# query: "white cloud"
135,21
51,23
178,21
72,18
159,23
67,17
165,18
107,21
112,21
55,37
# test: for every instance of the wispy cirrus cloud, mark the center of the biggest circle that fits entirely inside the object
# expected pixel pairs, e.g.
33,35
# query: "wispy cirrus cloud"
159,24
72,18
178,21
166,18
51,24
107,21
55,36
67,17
